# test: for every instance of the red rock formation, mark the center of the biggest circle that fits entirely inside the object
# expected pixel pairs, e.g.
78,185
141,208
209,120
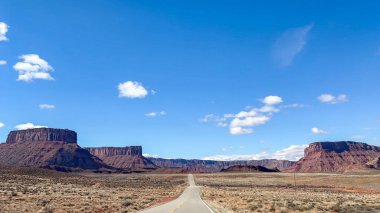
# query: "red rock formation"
112,151
248,169
374,164
129,157
39,154
216,166
42,134
46,147
335,157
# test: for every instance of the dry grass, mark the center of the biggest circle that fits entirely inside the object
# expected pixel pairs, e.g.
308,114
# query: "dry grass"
30,190
269,192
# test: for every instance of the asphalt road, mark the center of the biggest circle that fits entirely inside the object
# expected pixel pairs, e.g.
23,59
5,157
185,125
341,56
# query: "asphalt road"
189,202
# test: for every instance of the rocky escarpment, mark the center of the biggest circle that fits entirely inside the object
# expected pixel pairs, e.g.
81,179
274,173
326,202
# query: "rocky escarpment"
248,169
129,157
336,157
112,151
45,147
374,164
216,166
42,134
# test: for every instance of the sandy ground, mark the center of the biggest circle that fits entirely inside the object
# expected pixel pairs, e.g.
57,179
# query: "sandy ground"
34,190
30,190
275,192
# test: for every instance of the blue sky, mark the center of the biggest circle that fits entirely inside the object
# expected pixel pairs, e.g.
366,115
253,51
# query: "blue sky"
193,79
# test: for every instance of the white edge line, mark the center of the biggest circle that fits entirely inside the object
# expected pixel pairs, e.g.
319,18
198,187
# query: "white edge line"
207,206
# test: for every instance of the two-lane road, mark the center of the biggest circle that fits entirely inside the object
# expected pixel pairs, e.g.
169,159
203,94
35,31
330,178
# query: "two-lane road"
189,202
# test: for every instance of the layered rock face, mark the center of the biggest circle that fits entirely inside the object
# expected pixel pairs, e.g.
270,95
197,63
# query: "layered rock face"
248,169
129,157
112,151
374,164
217,166
42,134
46,147
336,157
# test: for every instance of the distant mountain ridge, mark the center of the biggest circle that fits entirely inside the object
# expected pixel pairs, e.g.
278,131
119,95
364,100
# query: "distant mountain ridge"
195,165
248,169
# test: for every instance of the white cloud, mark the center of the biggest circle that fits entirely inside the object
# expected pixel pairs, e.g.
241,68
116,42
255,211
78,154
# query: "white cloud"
3,31
155,114
294,106
331,99
317,131
250,121
241,122
28,126
47,106
243,114
272,100
237,130
290,44
212,118
268,108
150,155
293,152
132,89
33,67
3,62
222,124
2,125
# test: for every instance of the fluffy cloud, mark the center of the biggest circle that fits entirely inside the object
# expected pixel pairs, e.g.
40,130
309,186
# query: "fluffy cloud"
242,122
212,118
47,106
317,131
331,99
272,100
150,155
237,130
2,125
155,114
3,62
28,126
243,114
132,89
268,108
33,67
294,106
3,31
290,44
293,152
250,121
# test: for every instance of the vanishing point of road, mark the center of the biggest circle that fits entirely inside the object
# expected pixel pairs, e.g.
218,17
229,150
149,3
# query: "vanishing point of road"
189,202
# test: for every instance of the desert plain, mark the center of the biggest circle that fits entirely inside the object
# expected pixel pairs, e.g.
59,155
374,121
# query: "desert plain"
37,190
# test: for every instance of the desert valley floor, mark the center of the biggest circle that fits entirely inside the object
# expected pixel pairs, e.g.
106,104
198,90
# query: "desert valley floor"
37,190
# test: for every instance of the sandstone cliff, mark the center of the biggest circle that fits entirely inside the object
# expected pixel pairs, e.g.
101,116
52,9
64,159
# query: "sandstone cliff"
216,166
42,134
336,157
129,157
374,164
112,151
46,147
